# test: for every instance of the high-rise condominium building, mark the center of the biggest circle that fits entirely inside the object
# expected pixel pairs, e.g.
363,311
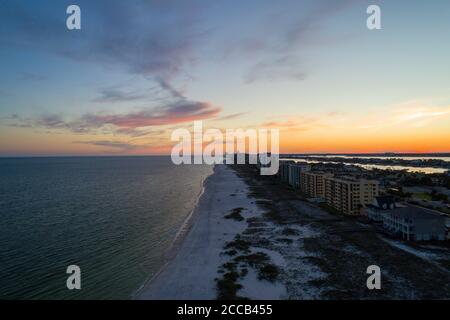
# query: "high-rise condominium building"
349,195
313,183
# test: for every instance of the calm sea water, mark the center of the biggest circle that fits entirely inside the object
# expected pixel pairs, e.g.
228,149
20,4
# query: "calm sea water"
446,159
113,216
427,170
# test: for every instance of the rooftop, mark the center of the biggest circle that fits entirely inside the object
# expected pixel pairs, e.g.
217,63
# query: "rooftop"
415,212
353,180
318,173
385,202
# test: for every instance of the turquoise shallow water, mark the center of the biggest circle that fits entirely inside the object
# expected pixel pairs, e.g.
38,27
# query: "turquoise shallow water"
113,216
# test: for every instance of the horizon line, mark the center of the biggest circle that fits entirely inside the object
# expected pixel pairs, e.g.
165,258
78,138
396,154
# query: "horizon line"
445,154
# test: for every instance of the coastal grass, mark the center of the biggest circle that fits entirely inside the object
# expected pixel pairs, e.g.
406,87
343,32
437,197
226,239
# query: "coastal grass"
343,251
238,244
270,210
274,215
254,259
268,272
256,224
285,240
261,262
253,220
335,261
330,209
249,231
231,252
289,232
231,272
228,286
422,196
235,214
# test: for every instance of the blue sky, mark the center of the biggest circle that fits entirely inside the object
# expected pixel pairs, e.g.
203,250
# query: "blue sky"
139,68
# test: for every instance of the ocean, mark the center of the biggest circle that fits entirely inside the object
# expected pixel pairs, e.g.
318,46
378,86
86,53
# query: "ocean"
114,217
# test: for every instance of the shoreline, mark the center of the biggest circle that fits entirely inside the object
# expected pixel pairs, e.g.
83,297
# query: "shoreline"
178,240
187,224
191,271
252,237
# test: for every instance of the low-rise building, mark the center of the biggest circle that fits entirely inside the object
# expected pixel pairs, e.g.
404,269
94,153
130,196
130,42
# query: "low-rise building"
408,222
415,223
379,206
349,195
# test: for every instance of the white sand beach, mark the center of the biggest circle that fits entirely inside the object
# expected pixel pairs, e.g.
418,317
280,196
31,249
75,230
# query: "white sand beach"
246,241
198,258
191,273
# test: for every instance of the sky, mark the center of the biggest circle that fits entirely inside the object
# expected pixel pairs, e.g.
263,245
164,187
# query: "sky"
137,70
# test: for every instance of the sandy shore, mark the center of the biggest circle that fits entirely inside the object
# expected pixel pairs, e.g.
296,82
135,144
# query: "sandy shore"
191,272
276,245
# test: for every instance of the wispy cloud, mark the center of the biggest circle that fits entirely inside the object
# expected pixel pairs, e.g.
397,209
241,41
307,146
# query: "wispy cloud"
138,132
180,112
231,116
175,109
179,109
165,38
174,93
128,147
145,37
298,123
115,94
279,56
280,68
121,146
27,76
413,114
280,124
